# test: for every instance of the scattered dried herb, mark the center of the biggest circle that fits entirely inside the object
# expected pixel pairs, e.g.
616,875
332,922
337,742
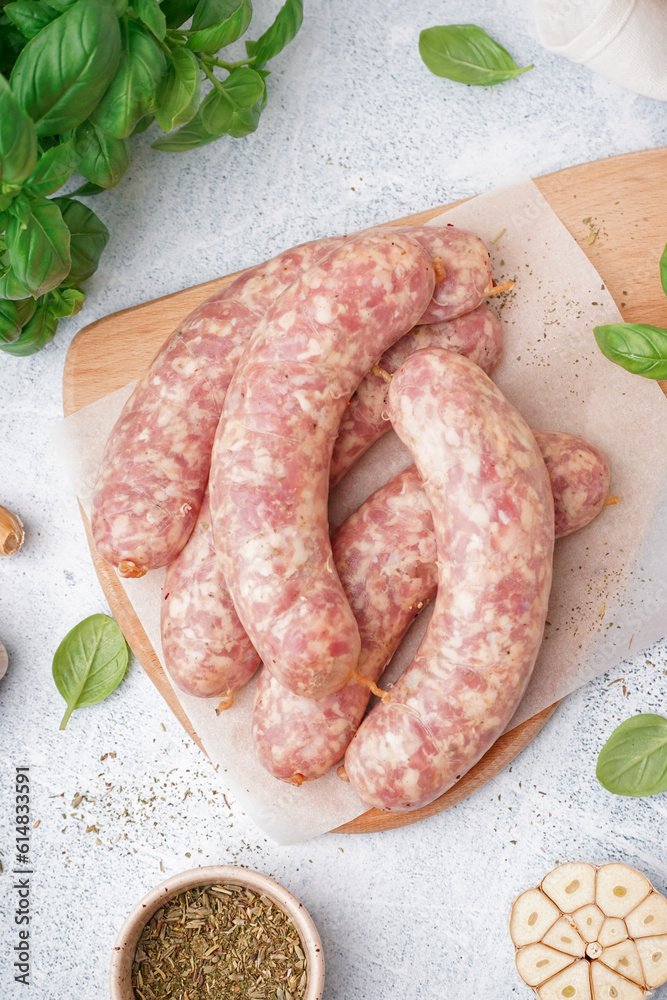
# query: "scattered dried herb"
219,942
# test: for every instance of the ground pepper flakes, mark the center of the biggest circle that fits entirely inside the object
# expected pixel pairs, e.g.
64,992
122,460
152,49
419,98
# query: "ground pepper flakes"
219,942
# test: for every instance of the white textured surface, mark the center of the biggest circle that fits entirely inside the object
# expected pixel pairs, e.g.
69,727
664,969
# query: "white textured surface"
419,912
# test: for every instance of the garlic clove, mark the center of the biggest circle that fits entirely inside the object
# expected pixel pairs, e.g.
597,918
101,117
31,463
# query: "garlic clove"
619,889
624,959
564,937
653,956
588,921
536,963
649,918
11,532
570,984
612,931
571,885
608,985
532,915
4,661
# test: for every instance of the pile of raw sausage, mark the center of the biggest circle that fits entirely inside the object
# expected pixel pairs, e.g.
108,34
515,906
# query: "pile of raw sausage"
220,466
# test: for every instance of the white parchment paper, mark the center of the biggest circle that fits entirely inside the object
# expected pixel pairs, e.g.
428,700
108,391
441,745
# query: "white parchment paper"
609,596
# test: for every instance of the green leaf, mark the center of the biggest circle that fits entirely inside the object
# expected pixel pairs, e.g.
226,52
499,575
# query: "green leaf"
234,107
637,347
18,142
100,158
11,287
633,761
190,136
177,12
36,334
89,237
141,126
39,250
20,209
280,34
10,327
180,90
30,16
130,95
663,270
53,169
90,663
87,189
63,71
150,12
69,302
217,23
11,44
465,53
26,309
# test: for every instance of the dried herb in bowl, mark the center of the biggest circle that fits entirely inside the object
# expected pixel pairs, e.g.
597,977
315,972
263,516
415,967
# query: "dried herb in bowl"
219,942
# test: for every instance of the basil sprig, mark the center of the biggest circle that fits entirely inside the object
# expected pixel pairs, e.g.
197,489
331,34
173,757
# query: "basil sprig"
465,53
78,79
633,761
637,347
89,663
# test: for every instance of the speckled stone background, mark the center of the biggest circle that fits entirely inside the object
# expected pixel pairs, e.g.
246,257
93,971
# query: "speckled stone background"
356,131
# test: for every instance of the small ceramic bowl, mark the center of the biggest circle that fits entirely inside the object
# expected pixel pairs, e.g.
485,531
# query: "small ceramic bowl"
128,937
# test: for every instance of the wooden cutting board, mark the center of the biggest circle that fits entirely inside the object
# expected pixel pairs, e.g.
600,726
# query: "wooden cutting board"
613,208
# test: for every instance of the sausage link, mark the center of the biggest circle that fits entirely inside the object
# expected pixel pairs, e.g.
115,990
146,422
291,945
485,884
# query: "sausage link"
271,458
156,462
206,651
385,554
579,479
205,647
493,517
476,334
467,270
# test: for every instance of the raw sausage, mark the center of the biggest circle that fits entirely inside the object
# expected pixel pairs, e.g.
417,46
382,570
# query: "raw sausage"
271,457
476,334
386,558
156,462
493,517
205,648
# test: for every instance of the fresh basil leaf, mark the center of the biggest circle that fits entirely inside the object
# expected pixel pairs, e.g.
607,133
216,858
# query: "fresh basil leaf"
150,12
88,235
11,44
18,142
26,309
11,287
100,158
190,136
465,53
20,209
131,92
10,327
177,12
179,93
30,16
63,71
62,5
39,249
663,270
69,302
234,108
637,347
53,169
633,761
141,126
87,190
278,35
36,334
90,663
217,23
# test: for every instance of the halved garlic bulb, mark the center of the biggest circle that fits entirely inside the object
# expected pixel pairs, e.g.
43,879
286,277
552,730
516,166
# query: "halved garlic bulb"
591,933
